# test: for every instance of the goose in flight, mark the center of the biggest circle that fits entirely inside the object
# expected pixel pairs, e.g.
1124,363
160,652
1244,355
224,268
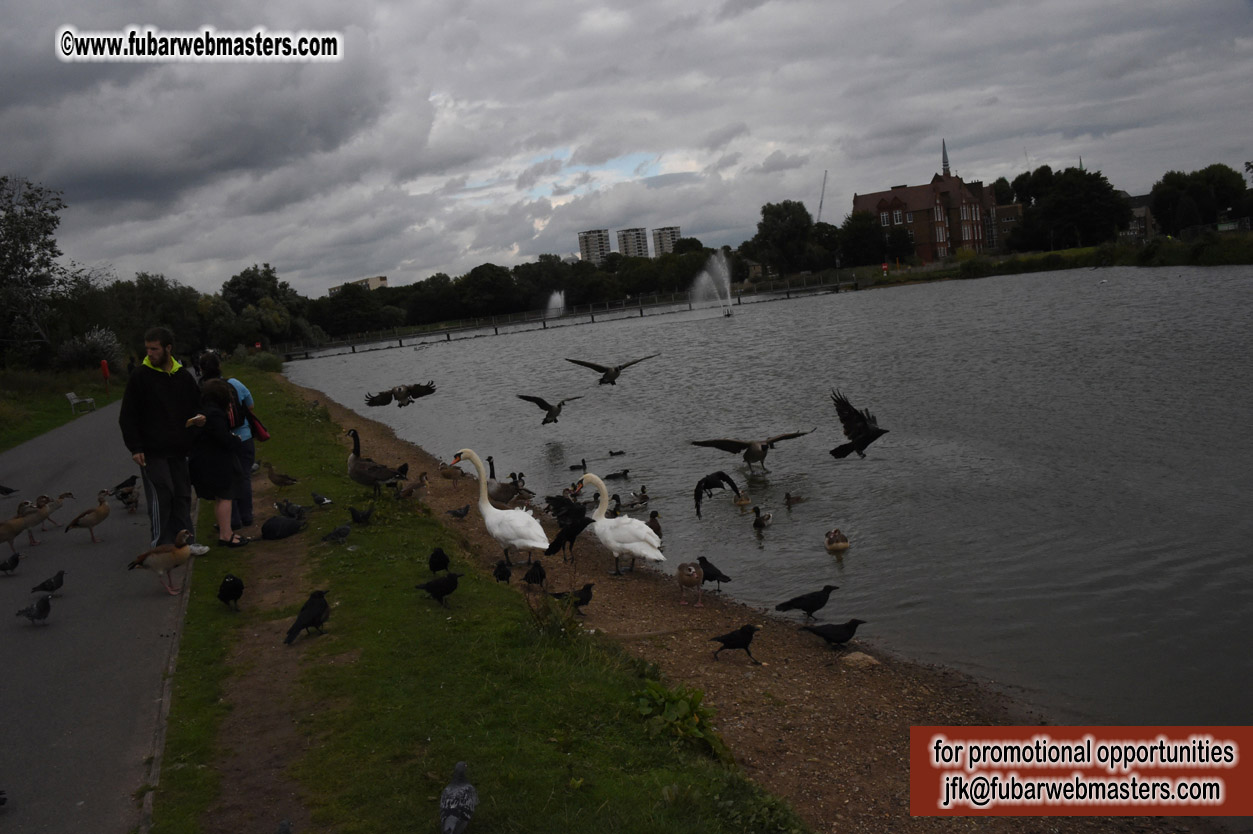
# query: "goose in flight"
553,411
755,451
609,376
402,394
860,427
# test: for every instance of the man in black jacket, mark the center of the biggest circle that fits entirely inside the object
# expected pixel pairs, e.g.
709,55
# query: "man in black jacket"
161,399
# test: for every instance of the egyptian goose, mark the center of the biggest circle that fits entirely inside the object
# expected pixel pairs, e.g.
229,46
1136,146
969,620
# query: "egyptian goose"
88,519
164,558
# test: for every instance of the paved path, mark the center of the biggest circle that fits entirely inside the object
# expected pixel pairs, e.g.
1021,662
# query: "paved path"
82,700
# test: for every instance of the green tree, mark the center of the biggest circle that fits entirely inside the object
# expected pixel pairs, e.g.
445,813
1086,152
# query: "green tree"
487,290
30,276
1003,191
897,245
1081,208
861,239
688,244
782,237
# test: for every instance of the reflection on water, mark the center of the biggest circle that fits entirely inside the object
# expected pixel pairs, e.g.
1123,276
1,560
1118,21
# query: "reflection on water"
1061,504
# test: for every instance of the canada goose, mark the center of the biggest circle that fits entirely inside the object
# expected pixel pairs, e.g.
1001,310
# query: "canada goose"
164,558
581,466
761,520
552,411
402,394
860,427
623,535
609,376
755,451
511,528
90,518
706,486
690,577
836,541
368,473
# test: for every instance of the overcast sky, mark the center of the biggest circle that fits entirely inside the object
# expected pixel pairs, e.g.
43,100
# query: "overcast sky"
458,133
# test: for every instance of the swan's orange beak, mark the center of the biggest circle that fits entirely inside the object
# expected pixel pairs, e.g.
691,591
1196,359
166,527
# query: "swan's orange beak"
456,459
578,487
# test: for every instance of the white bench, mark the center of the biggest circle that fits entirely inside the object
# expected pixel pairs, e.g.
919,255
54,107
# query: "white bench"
76,401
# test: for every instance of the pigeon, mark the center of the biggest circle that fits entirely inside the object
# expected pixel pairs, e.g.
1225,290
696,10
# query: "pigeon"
50,585
609,376
441,586
860,427
10,564
284,827
37,612
231,589
711,573
738,639
7,491
580,597
836,634
280,527
457,802
339,535
461,513
438,560
503,571
313,614
290,510
809,603
706,486
362,517
535,574
320,500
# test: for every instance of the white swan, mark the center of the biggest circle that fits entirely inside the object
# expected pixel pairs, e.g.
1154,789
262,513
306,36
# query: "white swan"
512,528
622,535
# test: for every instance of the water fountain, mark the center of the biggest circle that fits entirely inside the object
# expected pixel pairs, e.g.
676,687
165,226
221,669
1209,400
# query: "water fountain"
556,304
714,283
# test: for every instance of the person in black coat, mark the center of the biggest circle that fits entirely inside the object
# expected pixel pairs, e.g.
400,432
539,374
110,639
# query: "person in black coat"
214,459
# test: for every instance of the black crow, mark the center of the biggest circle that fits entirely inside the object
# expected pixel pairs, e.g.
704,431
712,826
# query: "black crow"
860,427
313,614
50,585
809,603
10,564
503,571
438,560
127,484
37,612
755,451
535,574
580,597
552,411
738,639
566,535
564,509
441,586
457,802
461,513
339,535
362,517
836,634
706,486
712,574
231,589
609,376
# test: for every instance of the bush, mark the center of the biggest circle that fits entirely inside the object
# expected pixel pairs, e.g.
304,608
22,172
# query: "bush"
87,350
266,362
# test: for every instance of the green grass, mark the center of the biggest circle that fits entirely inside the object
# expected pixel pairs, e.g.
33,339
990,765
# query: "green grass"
399,689
33,402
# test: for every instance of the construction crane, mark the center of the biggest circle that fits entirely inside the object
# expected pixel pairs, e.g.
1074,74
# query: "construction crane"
822,196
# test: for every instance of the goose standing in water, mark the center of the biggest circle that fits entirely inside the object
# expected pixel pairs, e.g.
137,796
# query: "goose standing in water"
609,376
511,528
755,451
622,535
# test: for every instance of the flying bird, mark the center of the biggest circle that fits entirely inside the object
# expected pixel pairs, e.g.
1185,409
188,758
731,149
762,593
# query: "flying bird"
836,633
738,639
313,614
438,560
164,558
609,376
441,586
50,585
402,394
711,573
552,411
755,451
37,612
231,589
860,427
690,577
580,597
457,802
705,487
809,603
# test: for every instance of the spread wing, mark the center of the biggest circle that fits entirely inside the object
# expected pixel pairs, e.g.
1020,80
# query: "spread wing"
770,441
569,399
855,422
540,401
381,398
601,368
420,390
636,361
726,445
706,486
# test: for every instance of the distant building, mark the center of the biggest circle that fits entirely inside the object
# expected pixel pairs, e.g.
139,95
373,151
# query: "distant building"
1143,226
369,283
594,245
941,217
633,243
664,239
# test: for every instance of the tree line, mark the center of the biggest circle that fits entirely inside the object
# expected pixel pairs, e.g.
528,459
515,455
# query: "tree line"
55,314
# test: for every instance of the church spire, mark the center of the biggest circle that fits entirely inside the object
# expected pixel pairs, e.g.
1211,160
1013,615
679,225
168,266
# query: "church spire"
944,151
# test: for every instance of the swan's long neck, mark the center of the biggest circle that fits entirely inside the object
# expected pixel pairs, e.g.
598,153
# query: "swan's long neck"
603,506
478,466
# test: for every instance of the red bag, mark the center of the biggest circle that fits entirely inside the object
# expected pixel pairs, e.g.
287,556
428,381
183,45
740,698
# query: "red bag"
259,432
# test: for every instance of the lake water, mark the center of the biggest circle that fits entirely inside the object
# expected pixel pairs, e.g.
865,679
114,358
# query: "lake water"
1062,504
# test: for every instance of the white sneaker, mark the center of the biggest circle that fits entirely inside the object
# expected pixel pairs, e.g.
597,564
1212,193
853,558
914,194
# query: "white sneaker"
199,549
